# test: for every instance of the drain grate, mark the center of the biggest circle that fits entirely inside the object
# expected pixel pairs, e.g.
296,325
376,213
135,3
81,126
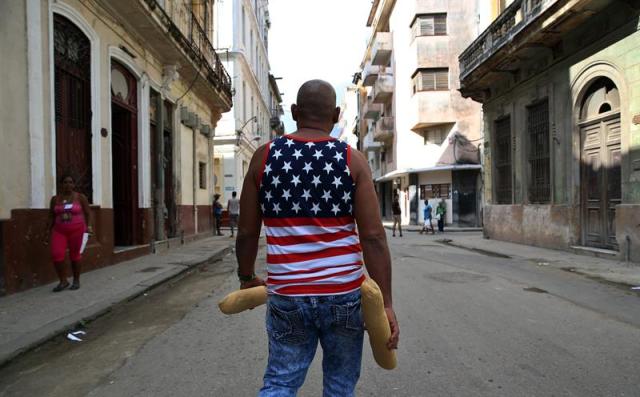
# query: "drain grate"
150,269
536,290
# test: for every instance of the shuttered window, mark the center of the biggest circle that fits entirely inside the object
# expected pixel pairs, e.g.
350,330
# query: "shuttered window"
431,80
539,153
429,25
503,177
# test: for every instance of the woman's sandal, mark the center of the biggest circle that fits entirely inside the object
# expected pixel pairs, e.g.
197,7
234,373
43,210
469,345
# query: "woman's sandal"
75,286
61,287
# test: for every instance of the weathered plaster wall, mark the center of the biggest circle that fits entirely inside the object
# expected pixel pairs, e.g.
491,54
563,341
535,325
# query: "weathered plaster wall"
608,45
14,134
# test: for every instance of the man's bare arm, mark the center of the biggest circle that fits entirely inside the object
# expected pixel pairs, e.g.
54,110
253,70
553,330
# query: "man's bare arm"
372,236
373,239
250,221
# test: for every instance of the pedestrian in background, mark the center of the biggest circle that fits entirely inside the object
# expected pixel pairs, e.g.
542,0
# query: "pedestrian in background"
427,215
217,213
69,220
233,206
441,212
397,215
311,190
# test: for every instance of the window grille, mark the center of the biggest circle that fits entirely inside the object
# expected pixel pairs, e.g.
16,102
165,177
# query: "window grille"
431,80
435,191
539,153
503,176
429,25
202,168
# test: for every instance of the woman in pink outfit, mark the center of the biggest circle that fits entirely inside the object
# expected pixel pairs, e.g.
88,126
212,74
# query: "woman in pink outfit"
69,218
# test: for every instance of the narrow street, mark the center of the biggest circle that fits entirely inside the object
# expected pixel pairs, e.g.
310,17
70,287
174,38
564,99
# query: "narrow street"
471,324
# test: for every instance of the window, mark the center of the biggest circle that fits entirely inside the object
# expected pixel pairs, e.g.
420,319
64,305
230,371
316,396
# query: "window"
429,25
202,174
431,80
438,191
242,28
539,153
434,136
503,177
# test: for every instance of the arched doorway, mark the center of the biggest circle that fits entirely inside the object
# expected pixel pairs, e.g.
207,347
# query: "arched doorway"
600,172
72,57
124,149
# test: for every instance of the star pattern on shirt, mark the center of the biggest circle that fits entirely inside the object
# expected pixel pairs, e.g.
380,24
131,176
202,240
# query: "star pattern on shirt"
306,179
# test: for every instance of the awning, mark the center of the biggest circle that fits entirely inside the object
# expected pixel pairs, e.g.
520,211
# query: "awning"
452,167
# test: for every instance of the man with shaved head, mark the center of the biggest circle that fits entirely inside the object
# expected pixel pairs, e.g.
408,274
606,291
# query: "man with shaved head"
310,191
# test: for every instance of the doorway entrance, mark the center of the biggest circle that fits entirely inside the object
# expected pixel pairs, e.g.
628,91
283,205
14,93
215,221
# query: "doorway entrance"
600,176
72,55
124,148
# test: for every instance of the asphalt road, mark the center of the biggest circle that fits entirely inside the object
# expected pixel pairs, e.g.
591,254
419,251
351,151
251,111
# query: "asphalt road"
471,325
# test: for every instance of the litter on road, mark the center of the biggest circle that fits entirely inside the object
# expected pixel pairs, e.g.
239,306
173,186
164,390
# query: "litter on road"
74,336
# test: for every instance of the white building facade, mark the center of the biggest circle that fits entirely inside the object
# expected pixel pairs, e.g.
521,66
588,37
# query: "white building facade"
421,137
242,39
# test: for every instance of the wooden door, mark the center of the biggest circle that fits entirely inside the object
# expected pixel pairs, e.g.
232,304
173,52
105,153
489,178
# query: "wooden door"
72,55
124,148
601,181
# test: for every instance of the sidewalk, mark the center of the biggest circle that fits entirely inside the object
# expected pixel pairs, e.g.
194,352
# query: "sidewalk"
30,318
598,268
416,228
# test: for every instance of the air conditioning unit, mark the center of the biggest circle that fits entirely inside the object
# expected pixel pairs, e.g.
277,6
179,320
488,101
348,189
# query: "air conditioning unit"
205,130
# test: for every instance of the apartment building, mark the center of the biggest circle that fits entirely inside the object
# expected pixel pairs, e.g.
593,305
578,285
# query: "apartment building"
422,138
559,81
244,36
125,97
277,111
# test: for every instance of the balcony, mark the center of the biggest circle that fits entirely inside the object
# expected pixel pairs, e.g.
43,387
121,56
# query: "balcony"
382,49
383,88
368,143
526,31
370,74
430,109
175,35
383,130
371,110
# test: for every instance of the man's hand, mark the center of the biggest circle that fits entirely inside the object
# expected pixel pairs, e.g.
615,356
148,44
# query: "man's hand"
395,331
256,282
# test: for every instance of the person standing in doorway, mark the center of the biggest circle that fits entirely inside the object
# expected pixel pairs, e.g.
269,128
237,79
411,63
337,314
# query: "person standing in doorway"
69,220
428,222
217,213
311,190
233,206
441,213
397,215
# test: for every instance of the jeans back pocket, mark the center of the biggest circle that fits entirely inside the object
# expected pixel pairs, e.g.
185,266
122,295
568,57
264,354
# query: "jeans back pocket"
347,319
286,325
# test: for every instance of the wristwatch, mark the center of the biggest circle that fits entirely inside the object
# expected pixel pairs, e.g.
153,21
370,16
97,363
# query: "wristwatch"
246,278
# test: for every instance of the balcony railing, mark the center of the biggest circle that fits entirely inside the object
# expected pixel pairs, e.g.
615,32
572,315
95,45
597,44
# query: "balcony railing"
381,49
383,129
369,144
509,23
383,88
371,110
370,74
187,31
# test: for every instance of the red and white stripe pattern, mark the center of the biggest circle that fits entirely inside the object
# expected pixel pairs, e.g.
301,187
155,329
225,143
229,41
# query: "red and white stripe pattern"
313,256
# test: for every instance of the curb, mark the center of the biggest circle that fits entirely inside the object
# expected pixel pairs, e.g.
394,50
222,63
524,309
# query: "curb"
416,229
52,330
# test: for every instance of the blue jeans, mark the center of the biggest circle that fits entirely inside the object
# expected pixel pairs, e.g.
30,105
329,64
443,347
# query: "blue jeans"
294,326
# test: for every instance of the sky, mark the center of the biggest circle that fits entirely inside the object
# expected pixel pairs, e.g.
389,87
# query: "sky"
316,39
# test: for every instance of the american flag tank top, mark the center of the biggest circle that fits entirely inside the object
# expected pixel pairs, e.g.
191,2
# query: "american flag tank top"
306,197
